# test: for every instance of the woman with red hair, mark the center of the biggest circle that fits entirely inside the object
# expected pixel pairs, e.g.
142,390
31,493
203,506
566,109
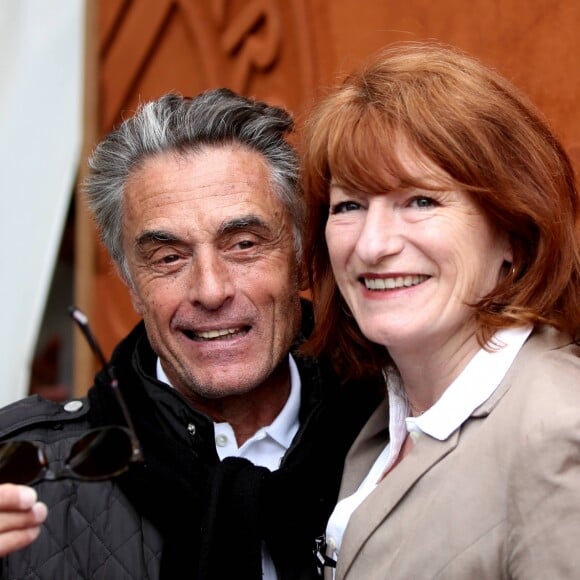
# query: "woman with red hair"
444,249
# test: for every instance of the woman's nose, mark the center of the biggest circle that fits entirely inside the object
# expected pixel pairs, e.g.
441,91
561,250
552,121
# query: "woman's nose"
381,234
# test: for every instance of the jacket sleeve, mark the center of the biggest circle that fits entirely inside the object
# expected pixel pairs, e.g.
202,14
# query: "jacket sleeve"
544,494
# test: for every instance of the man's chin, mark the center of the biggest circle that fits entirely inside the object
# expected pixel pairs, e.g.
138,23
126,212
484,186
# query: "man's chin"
229,384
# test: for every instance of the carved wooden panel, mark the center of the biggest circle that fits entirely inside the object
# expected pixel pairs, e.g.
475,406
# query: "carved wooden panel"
287,51
261,48
257,47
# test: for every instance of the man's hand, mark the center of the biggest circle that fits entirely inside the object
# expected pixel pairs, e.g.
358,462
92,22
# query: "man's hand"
20,517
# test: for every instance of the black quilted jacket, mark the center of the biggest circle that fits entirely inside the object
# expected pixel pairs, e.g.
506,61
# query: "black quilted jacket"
183,513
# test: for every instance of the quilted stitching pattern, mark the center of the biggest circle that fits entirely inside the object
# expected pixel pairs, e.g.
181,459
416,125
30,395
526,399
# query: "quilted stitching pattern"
92,533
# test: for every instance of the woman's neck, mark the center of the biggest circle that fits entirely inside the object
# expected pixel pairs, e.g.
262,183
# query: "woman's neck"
426,371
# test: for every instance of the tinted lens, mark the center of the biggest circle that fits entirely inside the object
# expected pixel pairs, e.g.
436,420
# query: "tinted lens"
20,462
101,453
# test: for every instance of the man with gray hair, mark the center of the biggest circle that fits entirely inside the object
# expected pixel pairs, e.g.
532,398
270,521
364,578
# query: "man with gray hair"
229,455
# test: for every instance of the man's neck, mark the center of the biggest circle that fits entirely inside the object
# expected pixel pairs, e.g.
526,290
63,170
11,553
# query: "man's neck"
246,412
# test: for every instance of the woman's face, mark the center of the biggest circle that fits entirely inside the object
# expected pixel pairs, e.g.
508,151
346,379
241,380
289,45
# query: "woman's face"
409,262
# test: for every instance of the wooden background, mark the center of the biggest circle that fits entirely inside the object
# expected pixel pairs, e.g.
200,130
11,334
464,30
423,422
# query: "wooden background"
287,52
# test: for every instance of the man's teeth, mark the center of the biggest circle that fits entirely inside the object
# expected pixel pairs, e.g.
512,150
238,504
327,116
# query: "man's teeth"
213,334
392,283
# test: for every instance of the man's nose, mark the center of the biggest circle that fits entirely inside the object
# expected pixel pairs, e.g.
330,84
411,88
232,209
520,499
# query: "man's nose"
211,283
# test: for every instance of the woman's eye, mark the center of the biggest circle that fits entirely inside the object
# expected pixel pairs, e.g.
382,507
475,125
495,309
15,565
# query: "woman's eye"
422,202
343,207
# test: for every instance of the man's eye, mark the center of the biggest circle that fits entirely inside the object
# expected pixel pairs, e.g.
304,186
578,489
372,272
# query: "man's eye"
166,260
245,244
343,207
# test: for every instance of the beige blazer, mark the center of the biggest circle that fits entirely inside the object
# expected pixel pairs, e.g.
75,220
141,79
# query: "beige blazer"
499,499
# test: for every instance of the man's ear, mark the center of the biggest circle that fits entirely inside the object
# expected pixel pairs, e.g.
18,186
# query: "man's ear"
136,300
302,276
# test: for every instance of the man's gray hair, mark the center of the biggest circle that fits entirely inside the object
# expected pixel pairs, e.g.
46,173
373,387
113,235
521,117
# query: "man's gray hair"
174,123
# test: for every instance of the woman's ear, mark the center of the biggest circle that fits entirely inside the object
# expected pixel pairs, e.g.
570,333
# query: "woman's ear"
507,267
508,253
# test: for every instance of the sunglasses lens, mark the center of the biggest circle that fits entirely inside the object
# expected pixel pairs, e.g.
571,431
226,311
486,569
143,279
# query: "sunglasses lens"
20,462
101,453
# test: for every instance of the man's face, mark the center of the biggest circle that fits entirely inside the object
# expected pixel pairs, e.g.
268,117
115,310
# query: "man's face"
212,261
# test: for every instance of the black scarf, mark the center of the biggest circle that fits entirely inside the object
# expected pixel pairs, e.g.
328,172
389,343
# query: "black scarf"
206,511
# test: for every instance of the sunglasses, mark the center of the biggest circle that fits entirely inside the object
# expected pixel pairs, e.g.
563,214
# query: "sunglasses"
100,454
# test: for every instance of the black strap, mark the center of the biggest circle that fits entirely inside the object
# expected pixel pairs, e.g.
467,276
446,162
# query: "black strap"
322,560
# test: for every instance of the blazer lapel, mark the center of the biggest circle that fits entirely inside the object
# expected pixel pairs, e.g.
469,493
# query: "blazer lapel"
426,453
365,449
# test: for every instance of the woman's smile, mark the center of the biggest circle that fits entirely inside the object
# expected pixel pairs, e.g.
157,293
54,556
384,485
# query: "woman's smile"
392,282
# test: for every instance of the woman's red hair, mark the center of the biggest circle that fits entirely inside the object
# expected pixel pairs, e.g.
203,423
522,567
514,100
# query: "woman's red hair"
469,121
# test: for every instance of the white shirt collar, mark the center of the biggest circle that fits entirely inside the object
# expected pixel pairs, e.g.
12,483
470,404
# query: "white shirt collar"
472,387
285,426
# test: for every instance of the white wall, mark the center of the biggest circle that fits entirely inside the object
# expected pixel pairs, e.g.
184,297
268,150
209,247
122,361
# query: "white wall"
41,65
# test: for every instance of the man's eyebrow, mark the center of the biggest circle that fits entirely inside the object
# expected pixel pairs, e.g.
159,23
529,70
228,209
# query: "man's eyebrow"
228,227
153,236
243,223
